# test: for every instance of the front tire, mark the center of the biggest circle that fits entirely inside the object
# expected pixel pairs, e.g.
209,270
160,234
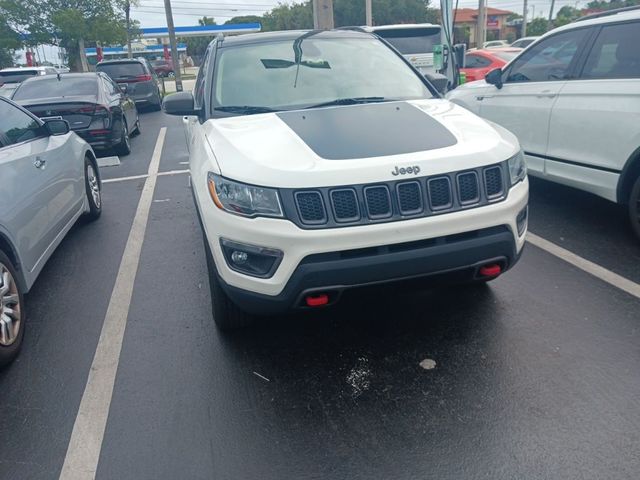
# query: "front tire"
12,312
634,207
93,190
226,314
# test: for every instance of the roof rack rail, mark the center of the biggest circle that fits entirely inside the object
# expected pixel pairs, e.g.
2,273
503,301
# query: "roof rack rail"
353,28
606,13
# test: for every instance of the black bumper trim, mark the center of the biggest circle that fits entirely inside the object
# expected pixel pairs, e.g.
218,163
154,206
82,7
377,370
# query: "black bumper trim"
337,271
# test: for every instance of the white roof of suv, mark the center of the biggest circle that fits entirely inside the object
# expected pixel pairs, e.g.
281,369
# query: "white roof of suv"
619,15
398,26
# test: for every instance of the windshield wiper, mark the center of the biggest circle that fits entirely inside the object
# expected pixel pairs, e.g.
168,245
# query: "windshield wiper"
351,101
244,109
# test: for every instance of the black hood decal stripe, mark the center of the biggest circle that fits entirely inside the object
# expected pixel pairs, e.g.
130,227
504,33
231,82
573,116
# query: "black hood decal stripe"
371,130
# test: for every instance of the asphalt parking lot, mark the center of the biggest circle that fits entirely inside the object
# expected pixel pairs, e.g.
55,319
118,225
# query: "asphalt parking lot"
533,377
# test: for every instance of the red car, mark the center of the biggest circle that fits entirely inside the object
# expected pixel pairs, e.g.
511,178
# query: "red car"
480,62
164,68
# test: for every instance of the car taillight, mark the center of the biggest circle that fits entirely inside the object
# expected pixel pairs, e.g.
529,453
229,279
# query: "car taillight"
143,78
101,118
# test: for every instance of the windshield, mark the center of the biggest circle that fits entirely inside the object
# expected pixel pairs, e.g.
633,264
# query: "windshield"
122,70
66,86
506,56
271,75
411,41
17,76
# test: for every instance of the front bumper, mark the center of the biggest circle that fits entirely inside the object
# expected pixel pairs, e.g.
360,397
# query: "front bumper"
410,248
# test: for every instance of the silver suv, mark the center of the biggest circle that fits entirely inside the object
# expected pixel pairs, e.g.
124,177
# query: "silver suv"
45,186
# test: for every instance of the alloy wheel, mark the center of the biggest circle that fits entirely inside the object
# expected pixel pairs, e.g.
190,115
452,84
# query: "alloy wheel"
94,186
10,308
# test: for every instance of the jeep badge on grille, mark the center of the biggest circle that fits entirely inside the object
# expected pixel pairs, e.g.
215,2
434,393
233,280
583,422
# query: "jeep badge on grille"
406,171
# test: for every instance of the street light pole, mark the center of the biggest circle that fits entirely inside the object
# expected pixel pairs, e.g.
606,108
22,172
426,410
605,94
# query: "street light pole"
323,14
174,47
368,12
524,19
482,23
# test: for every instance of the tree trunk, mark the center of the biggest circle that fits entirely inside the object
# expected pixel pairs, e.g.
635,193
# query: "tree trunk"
84,65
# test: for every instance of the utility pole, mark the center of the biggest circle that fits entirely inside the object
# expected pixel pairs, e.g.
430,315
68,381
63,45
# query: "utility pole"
551,14
369,13
175,60
482,23
524,19
322,14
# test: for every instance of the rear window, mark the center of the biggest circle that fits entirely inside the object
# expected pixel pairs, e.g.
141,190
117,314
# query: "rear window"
411,41
119,71
65,87
17,77
506,56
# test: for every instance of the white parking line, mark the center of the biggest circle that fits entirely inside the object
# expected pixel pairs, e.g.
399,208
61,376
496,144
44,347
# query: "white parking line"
145,175
85,444
594,269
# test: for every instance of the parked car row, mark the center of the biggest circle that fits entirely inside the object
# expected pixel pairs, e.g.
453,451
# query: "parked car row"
573,100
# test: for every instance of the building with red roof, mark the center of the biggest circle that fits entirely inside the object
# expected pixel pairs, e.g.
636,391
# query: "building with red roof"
466,25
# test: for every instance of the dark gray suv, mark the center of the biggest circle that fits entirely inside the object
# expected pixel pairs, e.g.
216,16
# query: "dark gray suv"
141,81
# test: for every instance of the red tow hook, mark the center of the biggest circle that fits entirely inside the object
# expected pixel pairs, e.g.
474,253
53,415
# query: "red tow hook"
317,300
492,270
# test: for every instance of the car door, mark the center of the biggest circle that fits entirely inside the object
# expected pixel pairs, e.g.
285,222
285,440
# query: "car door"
531,84
120,101
594,127
476,66
36,193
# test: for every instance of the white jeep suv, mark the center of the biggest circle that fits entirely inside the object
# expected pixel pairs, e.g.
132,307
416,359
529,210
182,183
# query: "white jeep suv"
323,161
573,100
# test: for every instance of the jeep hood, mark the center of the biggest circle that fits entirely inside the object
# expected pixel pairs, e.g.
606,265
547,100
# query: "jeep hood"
354,144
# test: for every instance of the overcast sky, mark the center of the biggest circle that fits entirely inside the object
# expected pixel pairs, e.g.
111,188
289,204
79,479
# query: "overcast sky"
150,13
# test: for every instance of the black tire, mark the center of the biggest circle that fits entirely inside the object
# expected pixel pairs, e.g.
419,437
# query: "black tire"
171,74
123,148
137,128
227,315
93,189
9,351
634,207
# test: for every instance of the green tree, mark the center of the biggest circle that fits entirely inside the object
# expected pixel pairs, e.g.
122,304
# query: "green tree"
537,26
612,4
196,46
566,14
9,43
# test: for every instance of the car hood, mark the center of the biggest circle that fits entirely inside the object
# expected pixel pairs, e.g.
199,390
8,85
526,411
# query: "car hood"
353,144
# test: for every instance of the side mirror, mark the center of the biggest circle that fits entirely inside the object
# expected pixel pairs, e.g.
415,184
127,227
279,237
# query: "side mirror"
180,103
439,81
124,88
494,77
57,127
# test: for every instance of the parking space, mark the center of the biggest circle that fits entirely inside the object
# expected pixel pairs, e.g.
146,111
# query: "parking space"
533,376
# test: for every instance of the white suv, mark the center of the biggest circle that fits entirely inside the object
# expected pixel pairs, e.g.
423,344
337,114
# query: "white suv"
573,101
322,161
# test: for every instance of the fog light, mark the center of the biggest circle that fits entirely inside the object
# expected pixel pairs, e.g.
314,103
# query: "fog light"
521,220
239,257
251,260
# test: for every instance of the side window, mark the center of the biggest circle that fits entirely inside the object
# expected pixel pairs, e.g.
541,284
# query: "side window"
16,126
476,61
549,60
202,71
615,53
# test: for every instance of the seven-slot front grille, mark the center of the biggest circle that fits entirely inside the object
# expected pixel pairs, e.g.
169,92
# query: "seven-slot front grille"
329,207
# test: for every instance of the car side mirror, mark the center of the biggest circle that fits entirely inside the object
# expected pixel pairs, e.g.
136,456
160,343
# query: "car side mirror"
124,88
494,77
57,127
439,81
181,103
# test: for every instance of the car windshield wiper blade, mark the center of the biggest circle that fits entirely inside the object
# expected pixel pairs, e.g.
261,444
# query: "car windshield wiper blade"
351,101
246,109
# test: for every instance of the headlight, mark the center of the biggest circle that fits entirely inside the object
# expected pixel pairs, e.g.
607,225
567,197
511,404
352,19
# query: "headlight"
242,199
517,168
